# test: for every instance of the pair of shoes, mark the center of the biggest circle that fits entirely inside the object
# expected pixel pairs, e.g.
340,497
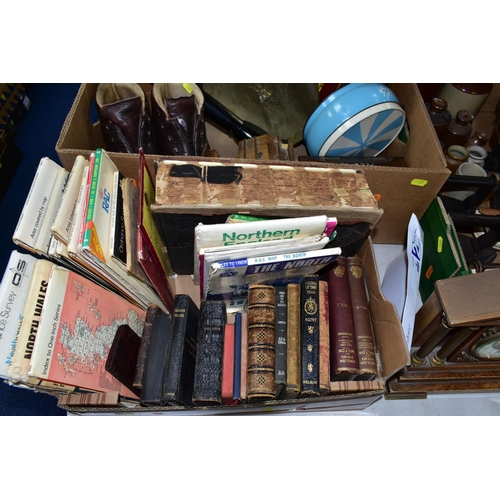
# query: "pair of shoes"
175,125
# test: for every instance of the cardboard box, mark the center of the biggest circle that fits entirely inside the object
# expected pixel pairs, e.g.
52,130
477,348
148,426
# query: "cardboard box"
393,355
400,191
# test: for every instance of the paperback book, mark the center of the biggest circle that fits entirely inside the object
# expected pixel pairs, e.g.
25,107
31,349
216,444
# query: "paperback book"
229,280
78,323
215,235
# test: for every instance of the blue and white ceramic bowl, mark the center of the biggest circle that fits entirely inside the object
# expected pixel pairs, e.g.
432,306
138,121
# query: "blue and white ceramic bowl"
360,119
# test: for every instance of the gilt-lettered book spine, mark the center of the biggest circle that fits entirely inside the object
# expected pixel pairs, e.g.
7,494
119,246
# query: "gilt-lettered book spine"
293,341
179,376
310,335
344,363
261,380
207,390
362,320
281,335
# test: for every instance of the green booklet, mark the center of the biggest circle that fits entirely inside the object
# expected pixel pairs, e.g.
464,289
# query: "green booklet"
443,256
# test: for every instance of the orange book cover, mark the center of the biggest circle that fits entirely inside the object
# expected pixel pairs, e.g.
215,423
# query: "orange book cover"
78,324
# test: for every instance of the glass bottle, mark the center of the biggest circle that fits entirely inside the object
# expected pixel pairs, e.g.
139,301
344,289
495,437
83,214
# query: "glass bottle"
440,116
458,130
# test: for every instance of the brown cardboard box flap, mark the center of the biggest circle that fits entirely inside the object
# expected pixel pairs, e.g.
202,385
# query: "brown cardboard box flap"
389,336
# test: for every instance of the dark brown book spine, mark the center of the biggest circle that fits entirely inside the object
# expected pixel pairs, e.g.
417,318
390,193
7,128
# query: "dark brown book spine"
363,329
281,335
207,390
261,343
151,313
324,339
310,335
343,353
293,341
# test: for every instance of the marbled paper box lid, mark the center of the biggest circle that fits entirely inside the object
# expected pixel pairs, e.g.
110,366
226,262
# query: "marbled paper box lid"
360,119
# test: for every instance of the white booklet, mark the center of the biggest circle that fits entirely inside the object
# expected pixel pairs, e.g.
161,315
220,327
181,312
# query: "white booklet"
214,235
13,292
33,214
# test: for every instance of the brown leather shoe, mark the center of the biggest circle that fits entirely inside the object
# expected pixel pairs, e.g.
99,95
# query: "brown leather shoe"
125,118
178,119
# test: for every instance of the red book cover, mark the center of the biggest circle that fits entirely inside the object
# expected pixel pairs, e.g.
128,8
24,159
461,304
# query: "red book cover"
228,363
153,260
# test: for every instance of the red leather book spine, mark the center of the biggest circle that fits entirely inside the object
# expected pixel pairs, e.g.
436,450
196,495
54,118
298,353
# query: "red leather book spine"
228,362
363,330
343,354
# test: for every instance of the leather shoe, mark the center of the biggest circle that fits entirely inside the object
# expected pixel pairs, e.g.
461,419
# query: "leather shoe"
179,119
125,118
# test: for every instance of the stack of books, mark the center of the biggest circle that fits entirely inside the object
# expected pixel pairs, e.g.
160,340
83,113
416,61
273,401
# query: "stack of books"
310,338
83,220
92,247
89,310
246,250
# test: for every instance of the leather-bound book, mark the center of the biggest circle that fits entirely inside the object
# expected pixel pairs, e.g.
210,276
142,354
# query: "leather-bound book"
293,341
207,389
122,357
179,375
309,303
156,360
343,353
151,312
244,356
363,329
228,362
261,381
237,359
324,339
281,335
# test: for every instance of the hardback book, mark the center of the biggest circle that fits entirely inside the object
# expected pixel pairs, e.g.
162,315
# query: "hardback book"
156,360
309,303
261,380
293,343
33,213
207,389
43,241
230,279
344,363
14,288
122,357
365,340
63,220
130,197
179,375
215,235
281,336
244,356
31,314
151,250
228,363
324,339
78,323
151,312
237,358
